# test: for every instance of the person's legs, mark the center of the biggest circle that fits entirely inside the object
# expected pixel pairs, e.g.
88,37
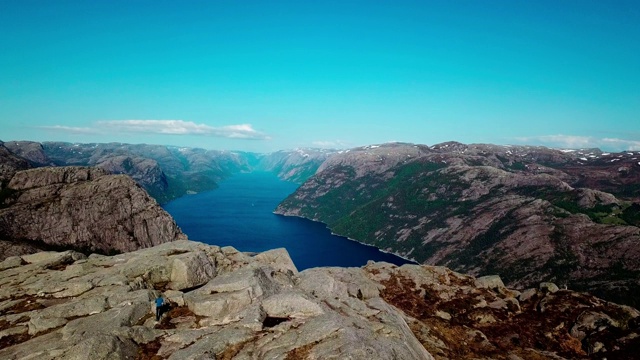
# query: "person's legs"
158,312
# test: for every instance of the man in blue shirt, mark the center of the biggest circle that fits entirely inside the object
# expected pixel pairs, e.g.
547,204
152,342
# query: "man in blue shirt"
159,307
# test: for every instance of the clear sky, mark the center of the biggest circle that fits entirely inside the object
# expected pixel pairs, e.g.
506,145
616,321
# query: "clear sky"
270,75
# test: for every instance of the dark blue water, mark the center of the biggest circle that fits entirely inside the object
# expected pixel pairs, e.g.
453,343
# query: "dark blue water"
239,214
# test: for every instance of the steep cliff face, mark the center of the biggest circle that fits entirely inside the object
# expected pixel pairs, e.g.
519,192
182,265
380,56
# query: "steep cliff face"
82,208
146,172
224,304
515,211
294,165
10,163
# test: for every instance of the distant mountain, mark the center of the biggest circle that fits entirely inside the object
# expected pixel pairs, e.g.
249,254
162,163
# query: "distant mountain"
530,214
166,172
294,165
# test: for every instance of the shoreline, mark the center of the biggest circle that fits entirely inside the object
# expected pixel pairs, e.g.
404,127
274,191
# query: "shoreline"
348,238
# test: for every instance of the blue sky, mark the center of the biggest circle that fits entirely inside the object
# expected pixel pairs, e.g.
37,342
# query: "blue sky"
270,75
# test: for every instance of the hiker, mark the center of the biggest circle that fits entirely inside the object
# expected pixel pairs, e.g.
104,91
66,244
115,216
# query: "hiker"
159,307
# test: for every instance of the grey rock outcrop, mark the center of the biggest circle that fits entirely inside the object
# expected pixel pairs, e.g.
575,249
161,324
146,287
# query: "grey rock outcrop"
82,208
247,310
66,305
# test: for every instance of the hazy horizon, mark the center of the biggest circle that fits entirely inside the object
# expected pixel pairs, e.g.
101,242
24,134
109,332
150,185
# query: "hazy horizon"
268,76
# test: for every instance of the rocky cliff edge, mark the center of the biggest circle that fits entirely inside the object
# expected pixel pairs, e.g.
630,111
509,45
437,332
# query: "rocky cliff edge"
225,304
80,208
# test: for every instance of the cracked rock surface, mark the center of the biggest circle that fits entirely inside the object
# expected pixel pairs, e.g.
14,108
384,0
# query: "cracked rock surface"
225,304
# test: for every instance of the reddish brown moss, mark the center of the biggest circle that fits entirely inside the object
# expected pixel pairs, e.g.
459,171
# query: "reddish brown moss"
28,303
301,353
543,324
11,340
173,313
230,352
149,351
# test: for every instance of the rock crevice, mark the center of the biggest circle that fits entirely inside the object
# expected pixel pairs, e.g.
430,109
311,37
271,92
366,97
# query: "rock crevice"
226,304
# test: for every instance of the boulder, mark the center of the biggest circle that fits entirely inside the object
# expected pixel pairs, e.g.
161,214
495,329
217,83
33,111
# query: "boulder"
219,307
549,287
53,258
278,259
11,262
256,280
338,282
190,270
489,282
142,296
290,305
175,296
527,294
590,322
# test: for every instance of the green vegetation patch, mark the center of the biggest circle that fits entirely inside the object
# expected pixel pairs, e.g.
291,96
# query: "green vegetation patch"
631,215
568,201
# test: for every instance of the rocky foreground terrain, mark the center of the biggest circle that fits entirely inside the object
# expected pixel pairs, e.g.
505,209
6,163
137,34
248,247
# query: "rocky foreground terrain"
530,214
225,304
79,208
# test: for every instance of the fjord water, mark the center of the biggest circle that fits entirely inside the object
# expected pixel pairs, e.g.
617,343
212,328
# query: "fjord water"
240,214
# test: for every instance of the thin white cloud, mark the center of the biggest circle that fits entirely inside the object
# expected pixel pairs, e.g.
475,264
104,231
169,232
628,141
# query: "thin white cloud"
562,141
166,127
70,129
577,142
334,144
180,127
172,127
630,145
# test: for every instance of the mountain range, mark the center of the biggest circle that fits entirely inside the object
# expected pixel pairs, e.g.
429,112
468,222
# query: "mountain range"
530,214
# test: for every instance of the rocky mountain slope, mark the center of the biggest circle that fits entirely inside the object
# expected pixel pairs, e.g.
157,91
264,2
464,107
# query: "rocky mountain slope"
165,172
525,213
224,304
79,208
294,165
